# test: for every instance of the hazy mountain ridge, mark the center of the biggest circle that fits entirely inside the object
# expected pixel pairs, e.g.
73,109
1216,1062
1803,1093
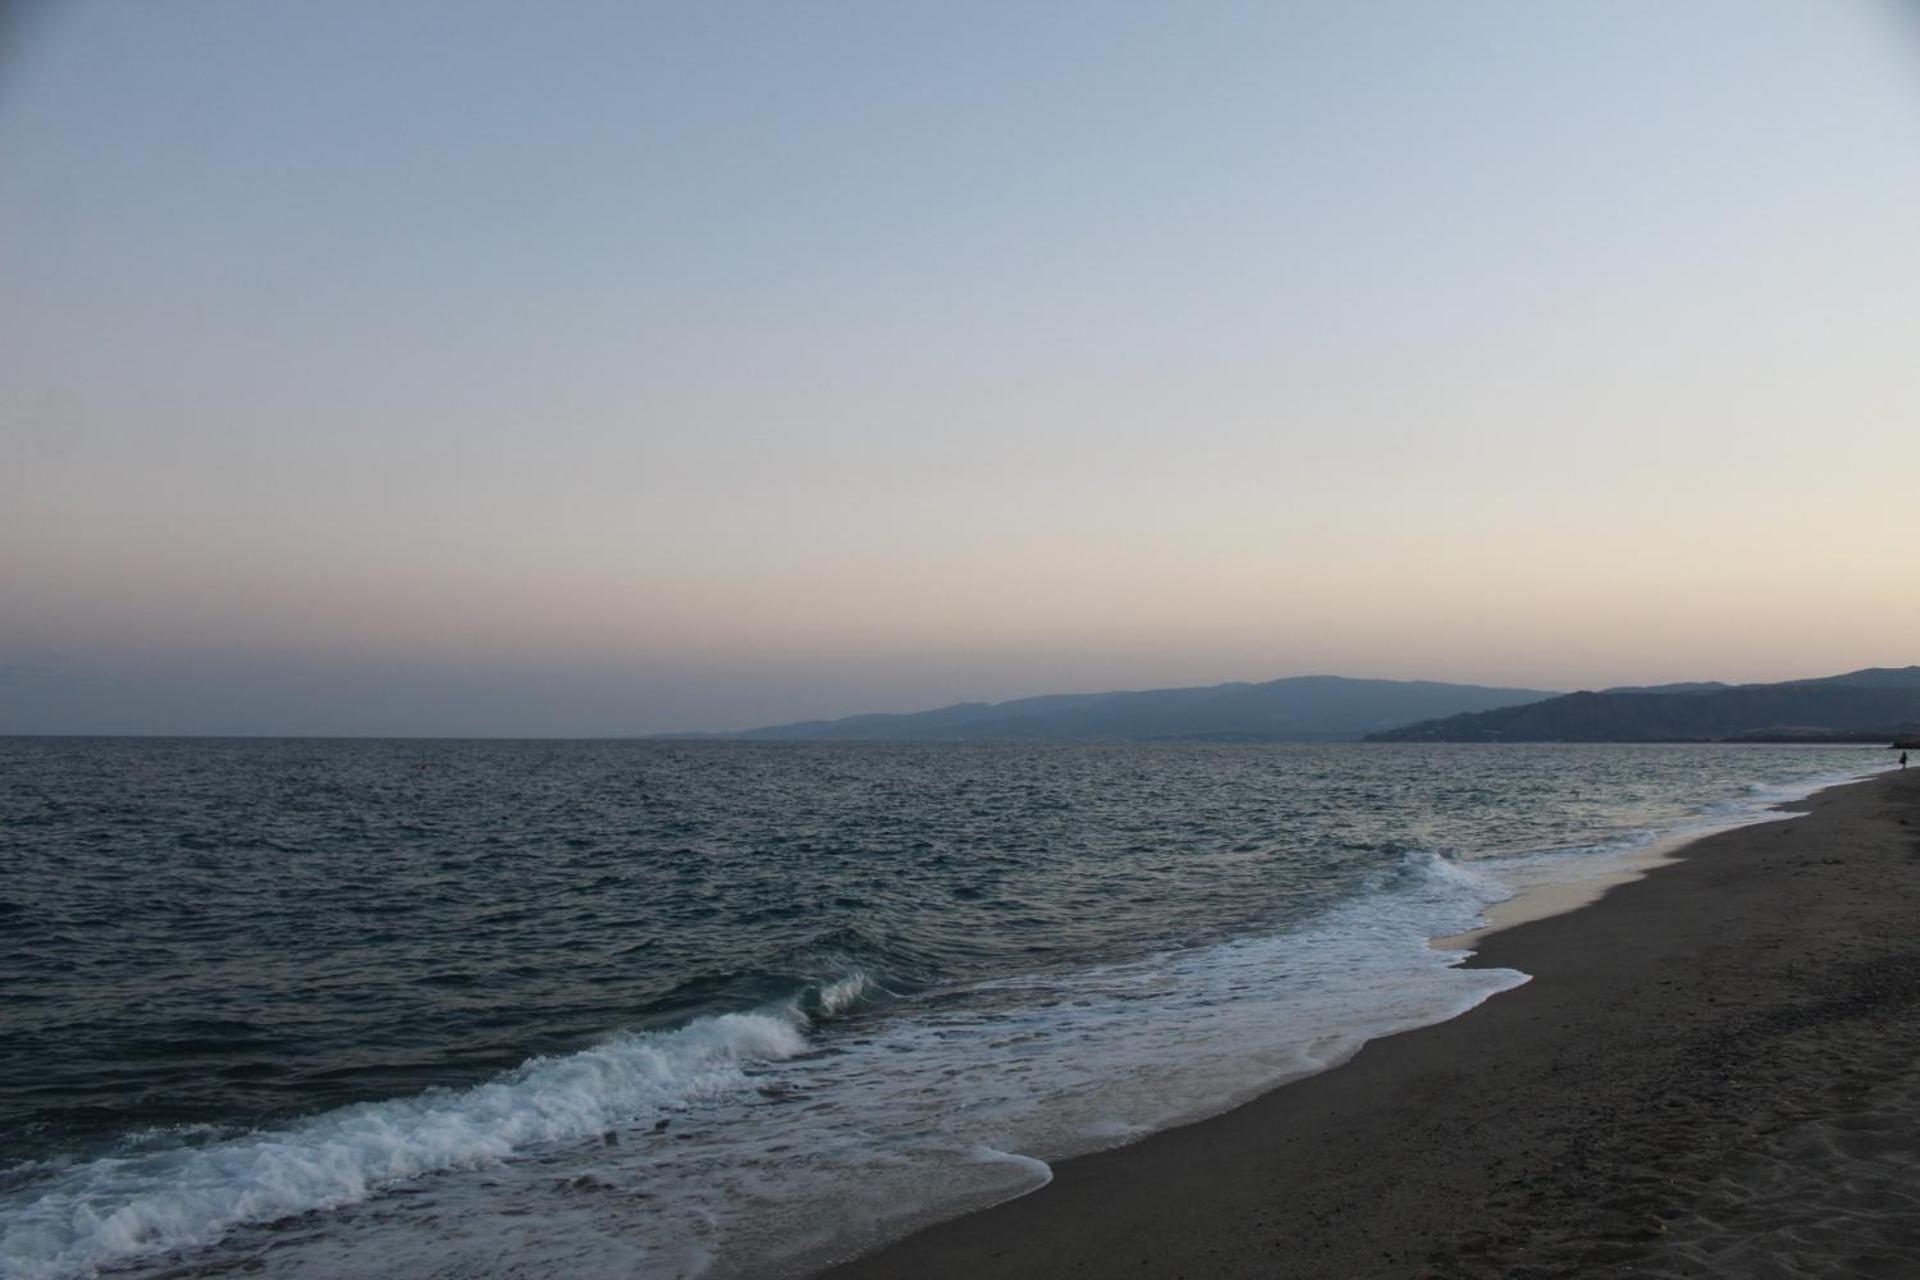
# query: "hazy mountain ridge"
1875,701
1294,709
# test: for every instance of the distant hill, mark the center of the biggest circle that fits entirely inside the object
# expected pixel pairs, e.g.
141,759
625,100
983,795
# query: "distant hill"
1299,709
1878,702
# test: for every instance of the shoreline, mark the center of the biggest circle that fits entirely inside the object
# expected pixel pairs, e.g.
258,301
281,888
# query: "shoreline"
1559,897
1709,1073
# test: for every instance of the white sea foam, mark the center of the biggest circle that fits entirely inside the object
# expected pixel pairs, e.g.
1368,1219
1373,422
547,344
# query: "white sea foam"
122,1207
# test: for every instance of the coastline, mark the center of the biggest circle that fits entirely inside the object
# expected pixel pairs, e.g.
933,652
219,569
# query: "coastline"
1713,1071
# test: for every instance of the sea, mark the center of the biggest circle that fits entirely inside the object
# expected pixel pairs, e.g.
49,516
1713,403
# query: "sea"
328,1008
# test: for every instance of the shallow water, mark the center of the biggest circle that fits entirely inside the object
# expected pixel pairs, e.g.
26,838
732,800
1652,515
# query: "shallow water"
471,1008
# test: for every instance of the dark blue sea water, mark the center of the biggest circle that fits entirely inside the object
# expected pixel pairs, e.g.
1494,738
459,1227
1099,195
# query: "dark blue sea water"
532,1008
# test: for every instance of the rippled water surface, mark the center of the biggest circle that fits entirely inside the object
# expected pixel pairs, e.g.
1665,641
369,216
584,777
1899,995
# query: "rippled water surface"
345,1008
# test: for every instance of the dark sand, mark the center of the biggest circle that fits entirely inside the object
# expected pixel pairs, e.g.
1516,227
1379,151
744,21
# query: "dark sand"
1715,1071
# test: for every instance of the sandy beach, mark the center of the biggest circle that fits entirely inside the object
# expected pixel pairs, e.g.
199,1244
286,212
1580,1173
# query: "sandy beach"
1715,1071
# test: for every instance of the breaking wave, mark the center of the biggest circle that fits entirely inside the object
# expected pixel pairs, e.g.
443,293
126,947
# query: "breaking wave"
121,1207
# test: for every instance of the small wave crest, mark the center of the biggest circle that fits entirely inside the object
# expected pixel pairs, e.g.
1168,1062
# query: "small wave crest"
114,1209
843,994
817,978
1444,870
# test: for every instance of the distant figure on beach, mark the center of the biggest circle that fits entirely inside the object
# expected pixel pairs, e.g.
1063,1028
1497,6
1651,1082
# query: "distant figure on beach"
1903,759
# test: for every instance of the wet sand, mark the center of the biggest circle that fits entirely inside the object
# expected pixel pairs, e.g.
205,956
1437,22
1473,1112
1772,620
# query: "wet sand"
1715,1071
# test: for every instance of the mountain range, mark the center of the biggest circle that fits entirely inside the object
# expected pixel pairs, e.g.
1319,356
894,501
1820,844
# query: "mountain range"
1297,709
1873,704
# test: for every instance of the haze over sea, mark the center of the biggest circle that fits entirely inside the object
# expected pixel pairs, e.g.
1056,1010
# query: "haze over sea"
442,1008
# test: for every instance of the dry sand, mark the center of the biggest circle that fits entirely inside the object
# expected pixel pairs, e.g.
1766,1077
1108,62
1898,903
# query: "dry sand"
1716,1071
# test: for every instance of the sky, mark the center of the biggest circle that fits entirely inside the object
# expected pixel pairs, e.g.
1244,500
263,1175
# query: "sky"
603,367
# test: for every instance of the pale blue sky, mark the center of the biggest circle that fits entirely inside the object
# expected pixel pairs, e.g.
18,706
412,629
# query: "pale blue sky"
598,367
